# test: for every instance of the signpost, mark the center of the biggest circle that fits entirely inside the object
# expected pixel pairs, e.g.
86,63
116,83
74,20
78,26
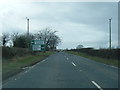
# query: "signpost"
37,45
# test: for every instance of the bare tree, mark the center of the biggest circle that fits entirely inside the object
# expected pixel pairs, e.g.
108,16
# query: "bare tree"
5,38
54,41
50,38
21,40
79,47
14,37
0,40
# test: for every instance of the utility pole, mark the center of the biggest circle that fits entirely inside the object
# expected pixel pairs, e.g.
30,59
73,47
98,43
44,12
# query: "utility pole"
110,33
27,26
28,38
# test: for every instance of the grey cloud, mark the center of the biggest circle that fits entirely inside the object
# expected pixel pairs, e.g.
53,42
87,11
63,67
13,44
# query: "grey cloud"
75,22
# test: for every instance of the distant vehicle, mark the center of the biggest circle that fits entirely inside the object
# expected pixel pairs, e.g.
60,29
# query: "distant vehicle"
59,50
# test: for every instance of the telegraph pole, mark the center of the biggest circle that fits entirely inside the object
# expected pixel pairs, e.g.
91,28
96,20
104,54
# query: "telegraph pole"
28,38
27,26
110,33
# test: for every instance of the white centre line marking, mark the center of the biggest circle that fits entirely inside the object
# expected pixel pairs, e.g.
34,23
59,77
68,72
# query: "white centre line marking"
80,70
73,64
26,71
97,85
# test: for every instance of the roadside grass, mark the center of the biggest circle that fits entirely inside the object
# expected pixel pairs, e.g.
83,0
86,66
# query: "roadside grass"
98,59
15,65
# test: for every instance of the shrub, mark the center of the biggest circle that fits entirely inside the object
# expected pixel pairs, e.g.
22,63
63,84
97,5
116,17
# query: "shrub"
10,52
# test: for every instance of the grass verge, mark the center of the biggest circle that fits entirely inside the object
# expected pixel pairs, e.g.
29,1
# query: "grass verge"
15,65
98,59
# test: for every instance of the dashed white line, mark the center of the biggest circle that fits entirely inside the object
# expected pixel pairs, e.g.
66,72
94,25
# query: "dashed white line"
73,64
26,71
97,85
113,66
80,70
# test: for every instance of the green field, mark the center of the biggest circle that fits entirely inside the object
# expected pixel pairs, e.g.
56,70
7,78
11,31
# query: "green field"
98,59
15,65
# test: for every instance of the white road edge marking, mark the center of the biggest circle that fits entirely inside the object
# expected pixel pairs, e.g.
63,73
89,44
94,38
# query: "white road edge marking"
23,72
97,85
42,60
73,64
111,66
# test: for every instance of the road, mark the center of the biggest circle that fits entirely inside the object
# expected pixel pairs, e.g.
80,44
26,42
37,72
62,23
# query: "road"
63,70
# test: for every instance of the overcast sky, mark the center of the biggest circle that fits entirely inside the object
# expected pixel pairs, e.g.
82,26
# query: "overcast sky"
77,23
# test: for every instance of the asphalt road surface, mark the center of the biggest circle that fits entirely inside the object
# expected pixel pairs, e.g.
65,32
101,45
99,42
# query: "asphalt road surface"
63,70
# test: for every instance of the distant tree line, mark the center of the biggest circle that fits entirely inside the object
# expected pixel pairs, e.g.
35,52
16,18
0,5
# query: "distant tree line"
49,36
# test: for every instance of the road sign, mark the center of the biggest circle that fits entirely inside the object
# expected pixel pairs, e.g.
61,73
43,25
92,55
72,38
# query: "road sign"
37,42
37,45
